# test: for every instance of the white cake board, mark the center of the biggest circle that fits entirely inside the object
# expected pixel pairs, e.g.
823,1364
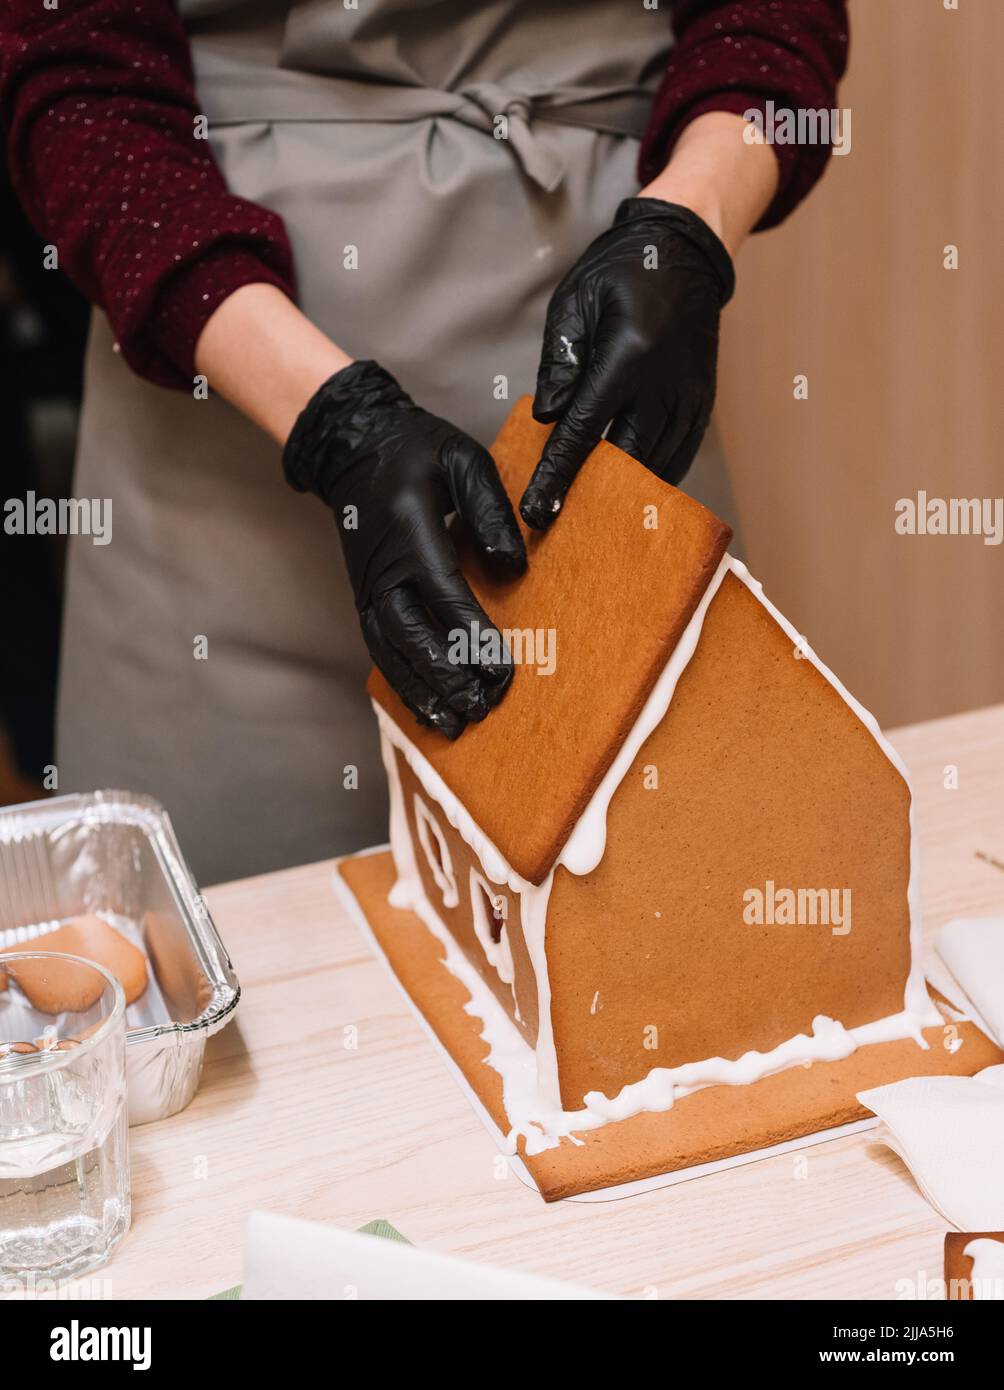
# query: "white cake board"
349,902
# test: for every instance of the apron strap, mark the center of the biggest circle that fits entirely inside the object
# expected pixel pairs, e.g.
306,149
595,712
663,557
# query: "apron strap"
235,94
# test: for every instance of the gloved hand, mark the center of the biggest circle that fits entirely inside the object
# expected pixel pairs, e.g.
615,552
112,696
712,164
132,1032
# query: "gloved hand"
631,337
391,473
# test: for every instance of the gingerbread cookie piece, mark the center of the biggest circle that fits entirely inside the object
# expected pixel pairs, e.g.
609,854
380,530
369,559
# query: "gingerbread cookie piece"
55,987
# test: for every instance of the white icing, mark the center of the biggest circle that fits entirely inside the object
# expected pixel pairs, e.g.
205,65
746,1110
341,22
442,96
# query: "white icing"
987,1278
498,953
530,1076
441,864
830,1042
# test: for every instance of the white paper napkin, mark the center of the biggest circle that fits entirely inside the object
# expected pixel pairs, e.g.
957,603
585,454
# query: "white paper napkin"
973,950
949,1131
959,1003
289,1259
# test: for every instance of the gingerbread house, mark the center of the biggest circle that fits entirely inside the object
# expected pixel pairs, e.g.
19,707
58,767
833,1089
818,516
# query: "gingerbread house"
679,854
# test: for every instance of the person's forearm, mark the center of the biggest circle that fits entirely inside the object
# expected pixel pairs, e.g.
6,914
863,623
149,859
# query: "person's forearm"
264,356
716,173
98,102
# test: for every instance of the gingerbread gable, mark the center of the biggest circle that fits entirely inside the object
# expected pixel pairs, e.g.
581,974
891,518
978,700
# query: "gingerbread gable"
612,586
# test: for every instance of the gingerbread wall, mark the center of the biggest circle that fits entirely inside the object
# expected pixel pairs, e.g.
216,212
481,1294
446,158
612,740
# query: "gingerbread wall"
764,773
459,919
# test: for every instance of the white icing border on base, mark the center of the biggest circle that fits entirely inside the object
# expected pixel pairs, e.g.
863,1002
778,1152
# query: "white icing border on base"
530,1077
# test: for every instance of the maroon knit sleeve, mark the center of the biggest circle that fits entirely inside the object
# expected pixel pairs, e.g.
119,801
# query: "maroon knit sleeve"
98,100
736,55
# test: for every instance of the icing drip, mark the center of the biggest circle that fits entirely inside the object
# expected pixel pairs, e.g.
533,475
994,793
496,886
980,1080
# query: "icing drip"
530,1076
988,1268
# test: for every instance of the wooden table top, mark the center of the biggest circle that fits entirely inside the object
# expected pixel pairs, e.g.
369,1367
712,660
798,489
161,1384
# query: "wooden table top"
324,1100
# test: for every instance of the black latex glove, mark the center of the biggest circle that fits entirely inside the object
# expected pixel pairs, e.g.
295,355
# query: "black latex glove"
362,443
631,337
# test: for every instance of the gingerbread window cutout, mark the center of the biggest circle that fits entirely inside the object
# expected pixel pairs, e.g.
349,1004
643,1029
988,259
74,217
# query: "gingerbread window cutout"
437,853
489,914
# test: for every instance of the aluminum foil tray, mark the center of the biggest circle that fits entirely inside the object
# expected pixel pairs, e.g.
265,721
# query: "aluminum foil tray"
114,853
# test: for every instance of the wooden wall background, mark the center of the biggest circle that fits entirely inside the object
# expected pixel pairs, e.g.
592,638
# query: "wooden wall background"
905,361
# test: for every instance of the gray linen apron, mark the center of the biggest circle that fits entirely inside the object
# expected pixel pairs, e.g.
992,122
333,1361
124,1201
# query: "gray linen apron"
371,127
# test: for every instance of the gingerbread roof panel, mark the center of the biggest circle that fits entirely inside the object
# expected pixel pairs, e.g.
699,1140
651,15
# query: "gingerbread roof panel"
607,594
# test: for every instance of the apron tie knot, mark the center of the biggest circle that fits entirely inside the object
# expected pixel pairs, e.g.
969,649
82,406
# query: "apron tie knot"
510,117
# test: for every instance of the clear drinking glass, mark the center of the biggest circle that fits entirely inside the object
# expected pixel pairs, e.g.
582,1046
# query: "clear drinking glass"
64,1162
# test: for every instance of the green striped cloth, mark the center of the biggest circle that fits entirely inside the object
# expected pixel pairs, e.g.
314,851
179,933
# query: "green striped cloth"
372,1228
